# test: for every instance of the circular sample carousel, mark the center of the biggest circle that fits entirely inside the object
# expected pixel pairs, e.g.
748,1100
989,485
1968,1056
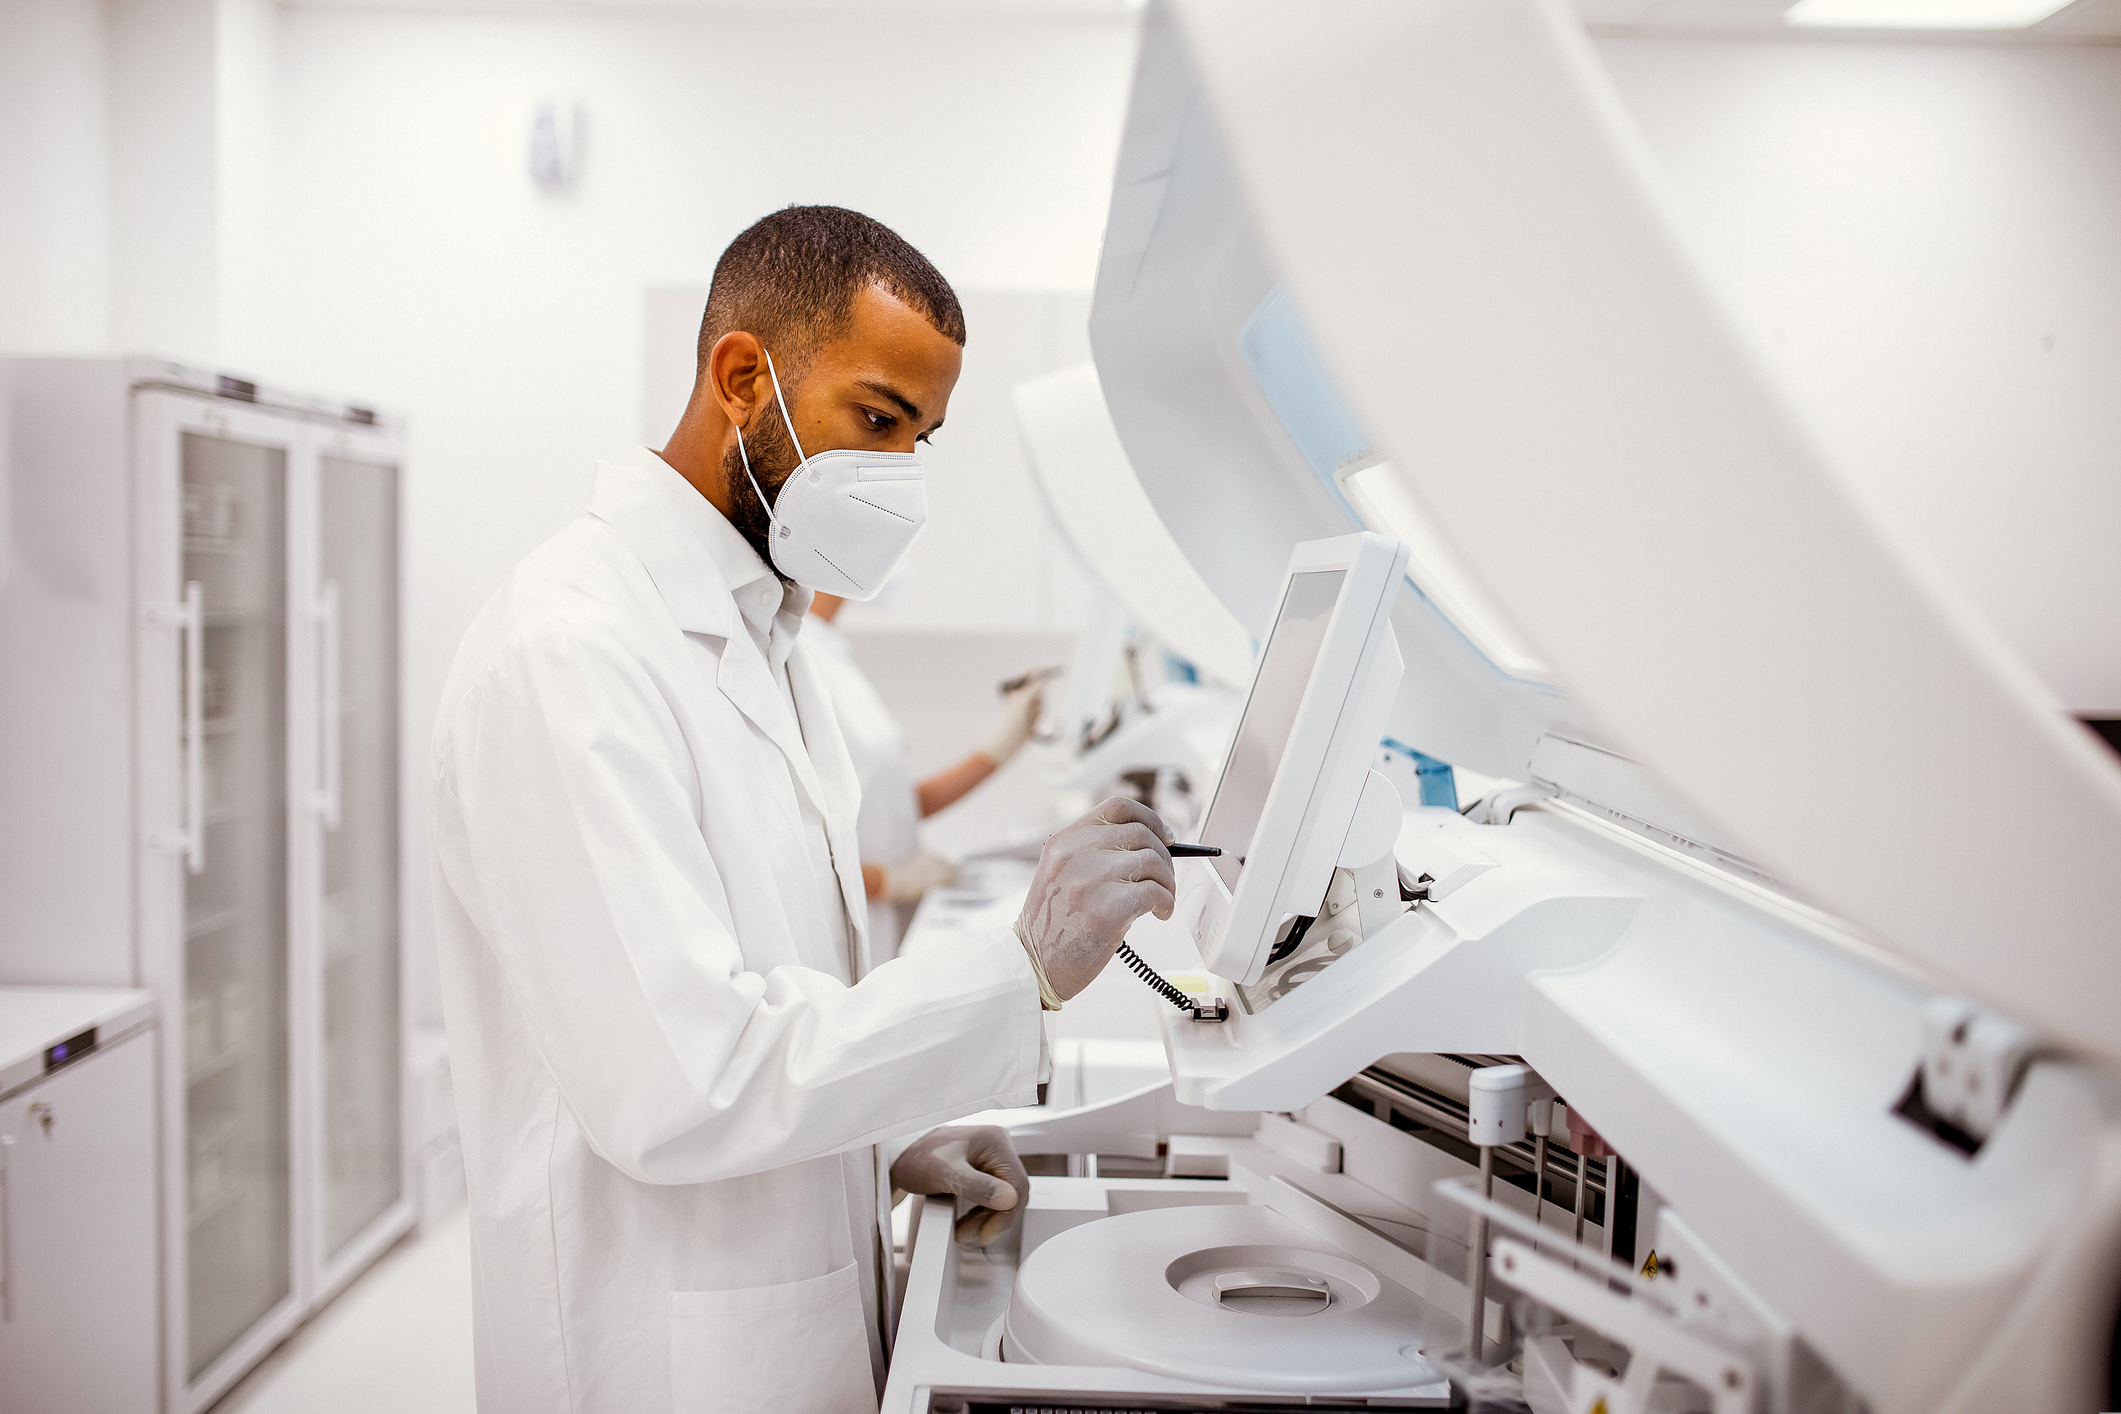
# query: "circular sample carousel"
1235,1296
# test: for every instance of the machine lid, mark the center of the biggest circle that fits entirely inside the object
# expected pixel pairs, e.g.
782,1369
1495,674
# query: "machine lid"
1243,443
1093,495
1506,306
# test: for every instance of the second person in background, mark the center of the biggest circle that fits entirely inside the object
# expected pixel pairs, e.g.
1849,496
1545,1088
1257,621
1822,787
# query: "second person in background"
896,871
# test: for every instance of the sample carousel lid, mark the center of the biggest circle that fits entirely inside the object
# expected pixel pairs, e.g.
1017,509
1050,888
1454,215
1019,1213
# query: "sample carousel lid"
1230,1295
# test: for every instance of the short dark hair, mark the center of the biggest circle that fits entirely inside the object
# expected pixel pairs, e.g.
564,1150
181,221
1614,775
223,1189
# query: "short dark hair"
792,279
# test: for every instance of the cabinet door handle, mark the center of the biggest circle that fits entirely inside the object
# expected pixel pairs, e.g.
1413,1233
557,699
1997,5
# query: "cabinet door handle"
188,618
7,1239
328,791
194,629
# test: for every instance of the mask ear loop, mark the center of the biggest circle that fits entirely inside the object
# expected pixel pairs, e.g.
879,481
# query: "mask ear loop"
786,421
756,489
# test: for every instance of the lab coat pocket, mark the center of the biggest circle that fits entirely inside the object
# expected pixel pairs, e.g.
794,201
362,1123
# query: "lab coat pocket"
796,1348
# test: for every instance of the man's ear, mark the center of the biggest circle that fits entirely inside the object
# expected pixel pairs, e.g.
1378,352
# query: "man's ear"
736,376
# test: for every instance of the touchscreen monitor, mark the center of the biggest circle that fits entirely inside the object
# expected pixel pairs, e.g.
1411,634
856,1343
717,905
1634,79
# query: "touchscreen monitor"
1298,758
1270,714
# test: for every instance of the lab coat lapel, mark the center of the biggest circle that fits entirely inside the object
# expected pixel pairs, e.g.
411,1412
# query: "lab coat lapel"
628,500
692,585
841,792
747,681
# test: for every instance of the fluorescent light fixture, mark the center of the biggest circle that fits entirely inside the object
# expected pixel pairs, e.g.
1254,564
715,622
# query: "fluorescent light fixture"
1922,14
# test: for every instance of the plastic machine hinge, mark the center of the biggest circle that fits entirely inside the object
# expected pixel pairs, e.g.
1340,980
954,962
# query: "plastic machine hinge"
1972,1061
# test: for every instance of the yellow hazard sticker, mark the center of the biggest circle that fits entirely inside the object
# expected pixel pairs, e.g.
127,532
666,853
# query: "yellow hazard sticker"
1651,1267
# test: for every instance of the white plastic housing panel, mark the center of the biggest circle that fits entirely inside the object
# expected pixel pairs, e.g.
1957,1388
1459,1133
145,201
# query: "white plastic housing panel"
1182,276
1752,1076
1579,415
1446,977
1082,472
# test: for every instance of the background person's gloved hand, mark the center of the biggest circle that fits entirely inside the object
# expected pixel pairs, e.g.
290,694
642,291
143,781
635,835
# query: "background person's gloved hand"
1020,711
976,1163
1094,879
907,880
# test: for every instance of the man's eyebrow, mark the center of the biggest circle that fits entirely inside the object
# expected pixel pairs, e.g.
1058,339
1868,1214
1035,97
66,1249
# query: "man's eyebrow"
906,404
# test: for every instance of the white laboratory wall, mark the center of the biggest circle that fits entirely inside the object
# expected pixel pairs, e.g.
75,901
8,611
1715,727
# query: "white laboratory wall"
412,261
1927,240
164,74
54,178
247,173
138,157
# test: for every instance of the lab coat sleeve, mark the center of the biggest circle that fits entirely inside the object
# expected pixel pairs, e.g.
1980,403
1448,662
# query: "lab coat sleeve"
564,824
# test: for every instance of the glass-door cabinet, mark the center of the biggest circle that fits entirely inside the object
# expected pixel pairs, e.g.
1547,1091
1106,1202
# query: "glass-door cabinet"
266,722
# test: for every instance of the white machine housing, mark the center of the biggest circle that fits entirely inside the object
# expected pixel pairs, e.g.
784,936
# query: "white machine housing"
1402,265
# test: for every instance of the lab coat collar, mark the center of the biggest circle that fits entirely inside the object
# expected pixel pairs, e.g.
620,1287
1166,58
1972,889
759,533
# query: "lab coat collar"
715,584
669,523
636,497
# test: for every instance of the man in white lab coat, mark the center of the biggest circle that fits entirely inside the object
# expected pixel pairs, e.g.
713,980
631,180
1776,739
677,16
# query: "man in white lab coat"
679,1080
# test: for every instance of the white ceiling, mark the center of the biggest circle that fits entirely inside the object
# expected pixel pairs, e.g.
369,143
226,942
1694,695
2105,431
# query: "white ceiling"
1044,9
2083,21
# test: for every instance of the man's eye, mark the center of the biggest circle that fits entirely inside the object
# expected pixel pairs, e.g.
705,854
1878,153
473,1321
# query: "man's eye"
877,421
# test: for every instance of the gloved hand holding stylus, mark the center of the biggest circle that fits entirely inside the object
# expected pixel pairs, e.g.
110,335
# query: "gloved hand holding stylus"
1094,879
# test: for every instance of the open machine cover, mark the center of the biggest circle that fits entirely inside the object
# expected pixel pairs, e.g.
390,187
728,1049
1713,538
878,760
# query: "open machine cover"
1093,495
1507,307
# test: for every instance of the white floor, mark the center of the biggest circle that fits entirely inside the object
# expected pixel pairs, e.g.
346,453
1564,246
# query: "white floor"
398,1339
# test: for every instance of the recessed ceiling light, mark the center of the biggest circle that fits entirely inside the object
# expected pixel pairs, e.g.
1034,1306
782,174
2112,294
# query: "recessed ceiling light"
1922,14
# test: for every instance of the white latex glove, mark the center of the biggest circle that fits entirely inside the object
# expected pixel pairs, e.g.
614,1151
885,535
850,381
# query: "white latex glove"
1094,879
976,1163
1020,711
907,880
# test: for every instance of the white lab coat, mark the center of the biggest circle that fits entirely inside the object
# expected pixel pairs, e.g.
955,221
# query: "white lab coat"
671,1074
888,827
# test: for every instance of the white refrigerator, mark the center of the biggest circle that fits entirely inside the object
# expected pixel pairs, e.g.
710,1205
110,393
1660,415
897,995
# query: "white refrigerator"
200,734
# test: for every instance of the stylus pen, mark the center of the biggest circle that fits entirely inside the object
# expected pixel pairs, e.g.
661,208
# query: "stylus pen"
1026,679
1194,851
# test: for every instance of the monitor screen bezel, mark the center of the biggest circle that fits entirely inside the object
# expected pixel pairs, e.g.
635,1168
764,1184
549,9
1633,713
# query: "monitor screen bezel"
1234,926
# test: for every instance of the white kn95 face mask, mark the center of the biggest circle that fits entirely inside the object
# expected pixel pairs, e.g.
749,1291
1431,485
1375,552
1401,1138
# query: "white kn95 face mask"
843,519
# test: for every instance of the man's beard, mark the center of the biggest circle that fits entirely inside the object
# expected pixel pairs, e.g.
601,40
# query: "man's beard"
770,448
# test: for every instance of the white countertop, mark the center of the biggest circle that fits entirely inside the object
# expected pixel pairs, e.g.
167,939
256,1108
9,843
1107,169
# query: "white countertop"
33,1019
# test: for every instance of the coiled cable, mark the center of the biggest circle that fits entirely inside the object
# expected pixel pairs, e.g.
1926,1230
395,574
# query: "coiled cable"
1155,979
